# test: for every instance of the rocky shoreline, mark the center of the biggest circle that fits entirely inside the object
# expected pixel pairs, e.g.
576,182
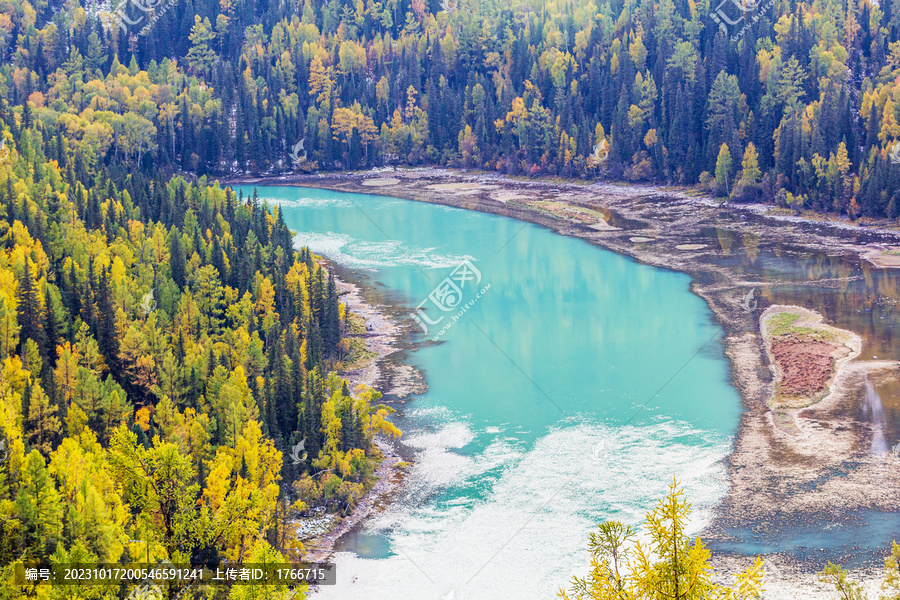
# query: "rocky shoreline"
670,228
389,476
381,338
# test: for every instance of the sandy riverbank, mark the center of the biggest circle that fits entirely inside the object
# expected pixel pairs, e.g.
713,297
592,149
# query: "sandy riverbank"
775,473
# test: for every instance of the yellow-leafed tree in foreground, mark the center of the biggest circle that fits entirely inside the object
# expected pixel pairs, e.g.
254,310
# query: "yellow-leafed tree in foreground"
667,566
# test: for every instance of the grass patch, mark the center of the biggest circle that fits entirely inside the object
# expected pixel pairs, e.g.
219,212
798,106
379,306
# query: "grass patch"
781,417
807,214
782,324
356,325
579,213
359,355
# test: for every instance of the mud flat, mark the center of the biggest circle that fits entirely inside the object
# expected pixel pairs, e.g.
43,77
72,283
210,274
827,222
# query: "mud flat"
384,339
788,452
380,182
790,463
887,257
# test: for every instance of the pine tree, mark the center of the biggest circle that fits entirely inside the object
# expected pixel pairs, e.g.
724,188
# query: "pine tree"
39,508
29,311
201,56
176,258
53,324
218,259
750,165
666,563
96,57
332,320
42,425
312,413
107,337
88,314
9,328
314,354
71,290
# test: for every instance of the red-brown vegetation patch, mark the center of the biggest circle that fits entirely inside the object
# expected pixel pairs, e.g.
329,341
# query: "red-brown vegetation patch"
806,364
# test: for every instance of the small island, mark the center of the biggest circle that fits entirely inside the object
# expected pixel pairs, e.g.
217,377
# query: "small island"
805,353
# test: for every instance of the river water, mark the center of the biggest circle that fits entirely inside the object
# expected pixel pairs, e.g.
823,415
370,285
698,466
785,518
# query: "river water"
572,386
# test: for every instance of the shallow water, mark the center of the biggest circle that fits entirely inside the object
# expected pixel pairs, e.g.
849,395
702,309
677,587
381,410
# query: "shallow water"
852,294
849,292
533,429
851,539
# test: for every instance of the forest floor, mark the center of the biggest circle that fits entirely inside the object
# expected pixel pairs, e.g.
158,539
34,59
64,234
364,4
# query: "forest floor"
814,467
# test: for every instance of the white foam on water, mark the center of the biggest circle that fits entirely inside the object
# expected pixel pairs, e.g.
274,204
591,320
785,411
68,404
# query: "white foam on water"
359,254
330,200
512,520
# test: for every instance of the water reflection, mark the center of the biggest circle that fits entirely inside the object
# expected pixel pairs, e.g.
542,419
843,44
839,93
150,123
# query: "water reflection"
873,410
849,292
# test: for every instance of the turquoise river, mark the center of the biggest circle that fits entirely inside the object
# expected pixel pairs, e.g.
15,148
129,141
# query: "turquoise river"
570,392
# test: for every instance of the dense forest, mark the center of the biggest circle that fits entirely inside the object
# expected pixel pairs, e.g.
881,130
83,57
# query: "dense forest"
796,103
167,373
